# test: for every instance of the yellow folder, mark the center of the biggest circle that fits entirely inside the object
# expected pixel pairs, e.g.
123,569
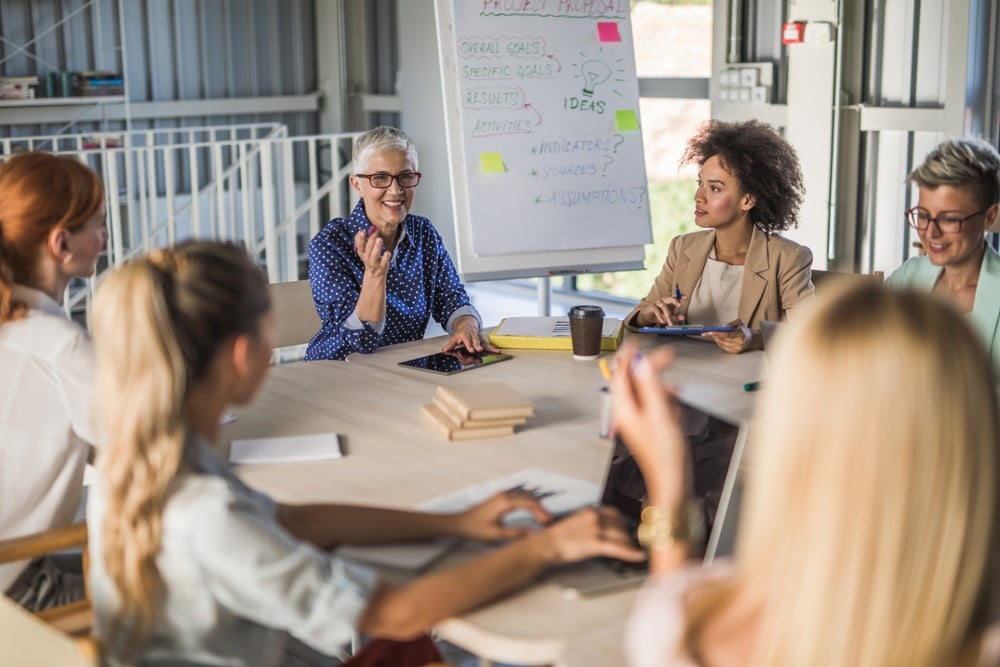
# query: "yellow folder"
549,333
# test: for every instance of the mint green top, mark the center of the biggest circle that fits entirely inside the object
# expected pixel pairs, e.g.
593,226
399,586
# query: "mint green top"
918,272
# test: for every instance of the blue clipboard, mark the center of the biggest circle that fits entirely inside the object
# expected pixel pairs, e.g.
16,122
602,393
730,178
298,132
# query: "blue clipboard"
685,329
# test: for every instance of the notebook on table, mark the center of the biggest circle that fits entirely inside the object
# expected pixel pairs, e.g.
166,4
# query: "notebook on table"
716,447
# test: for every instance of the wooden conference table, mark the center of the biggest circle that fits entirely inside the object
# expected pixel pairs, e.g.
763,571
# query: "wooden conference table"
394,459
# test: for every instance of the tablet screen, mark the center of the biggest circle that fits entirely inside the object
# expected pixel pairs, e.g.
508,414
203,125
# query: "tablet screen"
684,329
454,362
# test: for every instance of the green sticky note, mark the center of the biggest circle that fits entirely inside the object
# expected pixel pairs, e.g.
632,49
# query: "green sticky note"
491,163
625,119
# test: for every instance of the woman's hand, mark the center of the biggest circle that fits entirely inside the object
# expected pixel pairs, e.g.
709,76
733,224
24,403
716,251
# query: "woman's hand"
370,248
735,341
594,531
646,415
466,335
485,520
666,311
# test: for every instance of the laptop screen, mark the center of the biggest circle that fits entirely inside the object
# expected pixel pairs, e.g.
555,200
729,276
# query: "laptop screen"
711,446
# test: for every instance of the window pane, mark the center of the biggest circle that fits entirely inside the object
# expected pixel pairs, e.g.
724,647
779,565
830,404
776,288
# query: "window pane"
672,38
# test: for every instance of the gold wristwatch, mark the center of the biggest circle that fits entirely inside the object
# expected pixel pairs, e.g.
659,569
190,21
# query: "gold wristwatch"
662,527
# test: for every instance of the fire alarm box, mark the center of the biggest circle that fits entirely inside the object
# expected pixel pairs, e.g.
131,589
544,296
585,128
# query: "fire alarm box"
793,32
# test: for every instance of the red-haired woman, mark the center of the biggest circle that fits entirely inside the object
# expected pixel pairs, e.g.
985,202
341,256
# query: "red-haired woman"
51,230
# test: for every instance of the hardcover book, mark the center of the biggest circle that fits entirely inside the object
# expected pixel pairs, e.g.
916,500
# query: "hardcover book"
437,418
490,400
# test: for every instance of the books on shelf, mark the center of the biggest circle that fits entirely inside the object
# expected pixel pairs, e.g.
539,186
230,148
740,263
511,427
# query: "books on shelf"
18,87
470,412
549,333
98,84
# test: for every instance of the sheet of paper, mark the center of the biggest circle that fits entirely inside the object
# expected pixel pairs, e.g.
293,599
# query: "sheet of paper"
562,494
317,447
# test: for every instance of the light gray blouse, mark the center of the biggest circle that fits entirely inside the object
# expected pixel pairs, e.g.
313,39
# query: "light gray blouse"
236,583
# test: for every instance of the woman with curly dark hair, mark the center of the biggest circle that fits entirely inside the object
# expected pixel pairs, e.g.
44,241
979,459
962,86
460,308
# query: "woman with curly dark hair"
738,270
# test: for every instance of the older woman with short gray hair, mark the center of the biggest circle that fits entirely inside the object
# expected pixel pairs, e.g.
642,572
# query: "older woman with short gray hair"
380,275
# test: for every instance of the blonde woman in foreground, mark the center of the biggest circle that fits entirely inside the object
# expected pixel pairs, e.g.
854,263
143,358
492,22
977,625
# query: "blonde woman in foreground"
192,567
869,513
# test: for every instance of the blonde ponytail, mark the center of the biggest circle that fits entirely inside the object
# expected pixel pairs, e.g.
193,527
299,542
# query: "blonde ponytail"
158,323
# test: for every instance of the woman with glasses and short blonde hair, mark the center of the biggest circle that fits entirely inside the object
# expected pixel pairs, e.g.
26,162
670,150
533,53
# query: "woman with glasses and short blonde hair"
380,275
959,186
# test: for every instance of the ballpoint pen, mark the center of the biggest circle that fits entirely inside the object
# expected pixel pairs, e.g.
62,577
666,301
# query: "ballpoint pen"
677,292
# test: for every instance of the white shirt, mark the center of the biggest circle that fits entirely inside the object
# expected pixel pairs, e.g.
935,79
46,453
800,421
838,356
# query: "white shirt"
657,624
236,583
716,297
47,364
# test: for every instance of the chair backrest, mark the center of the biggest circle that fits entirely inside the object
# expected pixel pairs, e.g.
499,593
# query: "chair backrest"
295,317
57,636
28,640
823,280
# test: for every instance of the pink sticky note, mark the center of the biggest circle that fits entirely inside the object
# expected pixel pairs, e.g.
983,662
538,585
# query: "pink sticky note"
607,31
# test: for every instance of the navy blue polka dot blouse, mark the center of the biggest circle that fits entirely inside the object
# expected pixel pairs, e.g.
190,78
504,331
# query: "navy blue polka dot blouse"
421,282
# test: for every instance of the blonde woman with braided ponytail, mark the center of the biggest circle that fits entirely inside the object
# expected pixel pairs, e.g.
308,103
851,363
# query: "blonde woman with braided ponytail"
191,566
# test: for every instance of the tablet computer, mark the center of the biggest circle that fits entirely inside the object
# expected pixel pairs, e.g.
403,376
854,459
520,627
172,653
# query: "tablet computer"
685,329
448,363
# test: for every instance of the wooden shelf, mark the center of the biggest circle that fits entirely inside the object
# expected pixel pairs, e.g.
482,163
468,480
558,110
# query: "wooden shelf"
64,101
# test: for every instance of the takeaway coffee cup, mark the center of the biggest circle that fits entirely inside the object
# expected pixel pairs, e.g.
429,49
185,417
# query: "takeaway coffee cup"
585,325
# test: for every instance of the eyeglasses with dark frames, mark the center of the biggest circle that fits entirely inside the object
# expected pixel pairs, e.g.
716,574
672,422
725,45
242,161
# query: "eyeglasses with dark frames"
408,179
948,224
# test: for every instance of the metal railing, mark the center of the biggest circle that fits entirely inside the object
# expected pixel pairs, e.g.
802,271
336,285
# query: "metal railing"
250,184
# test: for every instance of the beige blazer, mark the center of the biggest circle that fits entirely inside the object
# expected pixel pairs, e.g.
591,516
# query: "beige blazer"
777,275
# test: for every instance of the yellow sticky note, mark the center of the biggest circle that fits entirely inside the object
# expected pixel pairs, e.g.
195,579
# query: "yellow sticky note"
625,119
491,163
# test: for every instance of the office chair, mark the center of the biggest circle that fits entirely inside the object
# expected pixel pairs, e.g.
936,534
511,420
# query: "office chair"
58,636
295,318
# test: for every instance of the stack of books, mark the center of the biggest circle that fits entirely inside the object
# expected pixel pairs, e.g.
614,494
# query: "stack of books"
18,87
98,84
470,412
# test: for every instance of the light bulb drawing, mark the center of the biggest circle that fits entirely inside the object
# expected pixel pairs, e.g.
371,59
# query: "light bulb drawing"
594,72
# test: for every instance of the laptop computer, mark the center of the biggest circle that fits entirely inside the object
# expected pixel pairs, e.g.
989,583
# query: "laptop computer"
716,448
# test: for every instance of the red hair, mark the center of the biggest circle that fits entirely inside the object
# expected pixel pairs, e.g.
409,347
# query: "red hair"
39,192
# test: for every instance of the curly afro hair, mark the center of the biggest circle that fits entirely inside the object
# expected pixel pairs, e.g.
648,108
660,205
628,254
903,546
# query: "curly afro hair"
764,164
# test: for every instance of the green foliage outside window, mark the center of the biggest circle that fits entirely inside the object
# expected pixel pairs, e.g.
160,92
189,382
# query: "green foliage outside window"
671,206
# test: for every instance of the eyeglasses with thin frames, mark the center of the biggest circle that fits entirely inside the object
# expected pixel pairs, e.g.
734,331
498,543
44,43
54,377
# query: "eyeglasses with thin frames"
408,179
948,224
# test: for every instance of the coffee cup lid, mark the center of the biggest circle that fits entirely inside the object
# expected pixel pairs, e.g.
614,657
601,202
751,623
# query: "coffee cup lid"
586,311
